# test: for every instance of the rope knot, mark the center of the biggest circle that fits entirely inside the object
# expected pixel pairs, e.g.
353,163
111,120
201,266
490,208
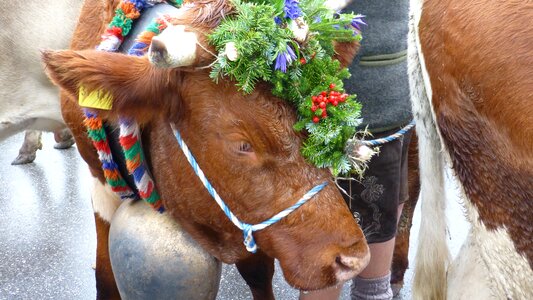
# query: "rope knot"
249,242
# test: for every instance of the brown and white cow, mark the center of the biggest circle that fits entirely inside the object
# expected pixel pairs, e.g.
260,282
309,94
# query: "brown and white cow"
246,146
471,71
28,101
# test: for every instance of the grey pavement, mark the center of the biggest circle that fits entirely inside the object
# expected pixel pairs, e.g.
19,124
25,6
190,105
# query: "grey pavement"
47,238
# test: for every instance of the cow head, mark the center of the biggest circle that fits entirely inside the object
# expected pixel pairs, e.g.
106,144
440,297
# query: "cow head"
246,146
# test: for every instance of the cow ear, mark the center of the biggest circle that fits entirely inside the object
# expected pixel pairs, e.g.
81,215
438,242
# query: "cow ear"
135,87
345,52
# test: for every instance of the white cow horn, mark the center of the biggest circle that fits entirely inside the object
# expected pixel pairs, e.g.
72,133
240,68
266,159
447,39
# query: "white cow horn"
173,48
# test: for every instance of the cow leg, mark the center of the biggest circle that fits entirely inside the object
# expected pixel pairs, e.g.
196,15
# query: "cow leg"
258,270
400,260
63,138
105,203
32,143
106,287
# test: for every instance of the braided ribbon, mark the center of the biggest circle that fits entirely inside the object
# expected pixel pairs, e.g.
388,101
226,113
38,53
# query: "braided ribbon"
247,229
391,137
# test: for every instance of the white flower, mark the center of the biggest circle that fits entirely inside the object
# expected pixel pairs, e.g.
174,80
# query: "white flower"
231,51
299,29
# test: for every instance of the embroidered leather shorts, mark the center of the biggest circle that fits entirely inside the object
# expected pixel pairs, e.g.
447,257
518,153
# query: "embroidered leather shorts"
375,199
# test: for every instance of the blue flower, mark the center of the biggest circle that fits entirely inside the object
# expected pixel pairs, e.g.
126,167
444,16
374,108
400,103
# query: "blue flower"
278,20
357,21
292,9
284,59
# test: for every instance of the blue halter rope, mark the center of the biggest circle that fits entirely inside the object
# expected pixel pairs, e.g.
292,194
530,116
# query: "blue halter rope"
247,229
390,138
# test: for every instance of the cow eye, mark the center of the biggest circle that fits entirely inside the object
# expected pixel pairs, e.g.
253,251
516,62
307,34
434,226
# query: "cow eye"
245,147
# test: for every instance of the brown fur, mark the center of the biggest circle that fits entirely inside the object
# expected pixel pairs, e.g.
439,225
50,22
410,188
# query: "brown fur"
215,120
482,99
106,287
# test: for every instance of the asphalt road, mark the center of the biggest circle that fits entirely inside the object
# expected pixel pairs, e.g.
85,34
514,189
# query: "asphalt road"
47,238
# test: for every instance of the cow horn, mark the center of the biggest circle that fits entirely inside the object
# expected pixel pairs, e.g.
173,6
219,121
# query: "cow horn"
173,48
336,5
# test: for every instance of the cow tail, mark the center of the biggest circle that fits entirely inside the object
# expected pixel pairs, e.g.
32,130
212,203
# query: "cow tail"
433,256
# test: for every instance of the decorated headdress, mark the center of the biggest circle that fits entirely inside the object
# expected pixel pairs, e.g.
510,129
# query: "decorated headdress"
291,45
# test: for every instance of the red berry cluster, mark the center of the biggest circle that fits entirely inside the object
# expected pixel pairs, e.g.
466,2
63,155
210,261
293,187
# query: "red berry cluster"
323,99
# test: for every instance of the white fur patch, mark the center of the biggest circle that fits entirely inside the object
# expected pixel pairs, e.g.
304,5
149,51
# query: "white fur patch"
468,275
105,201
509,272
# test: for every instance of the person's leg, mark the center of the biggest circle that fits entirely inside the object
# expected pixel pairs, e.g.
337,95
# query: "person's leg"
374,281
380,256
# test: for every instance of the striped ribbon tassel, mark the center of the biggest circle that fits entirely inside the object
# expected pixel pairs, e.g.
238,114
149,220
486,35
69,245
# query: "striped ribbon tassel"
127,11
246,228
143,40
389,138
112,175
136,163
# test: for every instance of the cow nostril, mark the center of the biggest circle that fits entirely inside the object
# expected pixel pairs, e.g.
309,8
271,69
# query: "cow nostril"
342,266
344,263
349,266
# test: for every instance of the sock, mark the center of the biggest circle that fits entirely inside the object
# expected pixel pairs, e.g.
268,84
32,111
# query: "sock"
371,288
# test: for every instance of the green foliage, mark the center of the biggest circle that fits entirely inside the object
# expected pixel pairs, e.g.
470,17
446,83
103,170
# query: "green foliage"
262,35
258,40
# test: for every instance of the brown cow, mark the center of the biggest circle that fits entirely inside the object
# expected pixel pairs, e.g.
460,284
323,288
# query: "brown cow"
245,144
471,67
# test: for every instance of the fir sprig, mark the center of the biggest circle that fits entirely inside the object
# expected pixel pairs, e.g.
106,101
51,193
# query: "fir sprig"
270,50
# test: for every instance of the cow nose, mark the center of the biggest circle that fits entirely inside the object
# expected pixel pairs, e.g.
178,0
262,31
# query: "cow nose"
348,264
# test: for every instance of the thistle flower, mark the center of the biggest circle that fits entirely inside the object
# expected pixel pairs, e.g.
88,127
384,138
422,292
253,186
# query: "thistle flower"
357,21
292,9
284,59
